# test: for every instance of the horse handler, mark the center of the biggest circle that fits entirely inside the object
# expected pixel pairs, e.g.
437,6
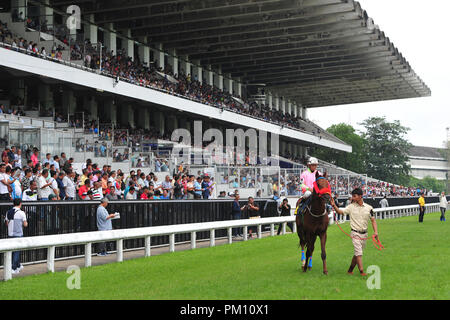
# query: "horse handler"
360,214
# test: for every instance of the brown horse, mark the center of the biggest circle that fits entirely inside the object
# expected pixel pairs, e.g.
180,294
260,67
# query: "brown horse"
314,222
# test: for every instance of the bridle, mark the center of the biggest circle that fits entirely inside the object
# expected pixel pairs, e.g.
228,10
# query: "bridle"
321,193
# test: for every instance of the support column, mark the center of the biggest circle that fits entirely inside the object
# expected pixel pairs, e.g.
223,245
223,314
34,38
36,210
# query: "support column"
160,122
218,79
283,106
129,45
48,13
127,115
144,52
276,101
158,53
305,113
209,76
173,60
229,84
69,102
197,71
289,107
172,124
91,107
111,110
144,119
237,87
91,29
111,38
186,65
269,100
46,100
21,6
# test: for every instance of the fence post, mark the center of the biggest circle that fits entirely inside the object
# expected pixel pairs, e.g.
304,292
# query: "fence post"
284,228
88,255
230,235
245,233
7,266
212,237
51,259
193,240
120,250
272,230
259,231
172,242
148,244
294,224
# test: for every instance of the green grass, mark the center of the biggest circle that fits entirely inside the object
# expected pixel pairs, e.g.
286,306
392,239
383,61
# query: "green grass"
414,265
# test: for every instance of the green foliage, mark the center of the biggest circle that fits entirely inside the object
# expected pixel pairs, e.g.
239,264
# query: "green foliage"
428,183
386,150
352,161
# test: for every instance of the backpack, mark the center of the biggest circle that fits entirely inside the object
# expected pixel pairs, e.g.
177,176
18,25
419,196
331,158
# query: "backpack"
10,214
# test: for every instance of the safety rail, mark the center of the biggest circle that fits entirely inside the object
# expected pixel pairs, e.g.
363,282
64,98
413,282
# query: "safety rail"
7,246
88,238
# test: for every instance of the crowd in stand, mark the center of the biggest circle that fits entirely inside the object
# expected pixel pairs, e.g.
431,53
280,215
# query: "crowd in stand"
118,64
55,179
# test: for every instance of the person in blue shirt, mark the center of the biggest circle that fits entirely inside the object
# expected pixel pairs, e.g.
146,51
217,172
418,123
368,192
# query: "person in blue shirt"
198,188
206,188
103,223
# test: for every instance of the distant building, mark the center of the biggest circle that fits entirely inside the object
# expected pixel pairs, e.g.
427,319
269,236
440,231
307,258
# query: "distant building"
426,161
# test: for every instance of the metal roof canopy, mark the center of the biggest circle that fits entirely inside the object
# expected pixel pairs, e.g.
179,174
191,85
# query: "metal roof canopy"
315,52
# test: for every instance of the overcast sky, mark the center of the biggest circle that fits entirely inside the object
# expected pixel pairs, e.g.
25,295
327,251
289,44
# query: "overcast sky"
419,29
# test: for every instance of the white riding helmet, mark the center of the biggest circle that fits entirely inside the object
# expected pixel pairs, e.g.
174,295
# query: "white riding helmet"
313,160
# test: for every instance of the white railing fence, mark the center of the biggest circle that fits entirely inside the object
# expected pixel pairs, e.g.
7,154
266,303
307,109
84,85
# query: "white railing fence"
7,246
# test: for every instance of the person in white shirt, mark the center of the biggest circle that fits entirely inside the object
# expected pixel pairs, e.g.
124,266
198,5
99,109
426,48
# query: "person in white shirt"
16,220
44,189
443,205
131,195
30,194
18,159
69,185
54,185
5,182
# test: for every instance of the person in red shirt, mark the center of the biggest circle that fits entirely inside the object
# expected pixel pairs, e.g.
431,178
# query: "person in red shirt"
144,195
82,192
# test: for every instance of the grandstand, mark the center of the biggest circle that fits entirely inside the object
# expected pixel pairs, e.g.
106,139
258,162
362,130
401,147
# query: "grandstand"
114,89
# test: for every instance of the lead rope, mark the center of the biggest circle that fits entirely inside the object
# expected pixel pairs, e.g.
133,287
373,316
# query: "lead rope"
376,243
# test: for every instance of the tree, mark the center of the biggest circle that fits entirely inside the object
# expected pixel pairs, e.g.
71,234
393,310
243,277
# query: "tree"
446,154
386,150
351,161
428,183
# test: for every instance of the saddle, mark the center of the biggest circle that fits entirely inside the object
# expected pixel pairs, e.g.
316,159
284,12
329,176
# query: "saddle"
300,210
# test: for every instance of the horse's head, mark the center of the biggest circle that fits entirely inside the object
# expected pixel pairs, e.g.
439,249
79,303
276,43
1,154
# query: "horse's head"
322,187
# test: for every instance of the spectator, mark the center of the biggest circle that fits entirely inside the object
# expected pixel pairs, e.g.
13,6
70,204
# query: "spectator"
103,224
421,207
285,209
236,212
253,213
16,220
443,205
384,203
31,193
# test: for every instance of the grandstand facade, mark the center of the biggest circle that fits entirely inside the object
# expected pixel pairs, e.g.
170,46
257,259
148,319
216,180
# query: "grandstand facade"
111,81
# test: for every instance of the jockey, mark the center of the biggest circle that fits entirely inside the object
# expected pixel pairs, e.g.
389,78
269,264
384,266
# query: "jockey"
307,180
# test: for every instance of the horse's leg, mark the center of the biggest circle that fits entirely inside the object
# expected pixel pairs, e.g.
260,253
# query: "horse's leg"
323,241
310,249
301,236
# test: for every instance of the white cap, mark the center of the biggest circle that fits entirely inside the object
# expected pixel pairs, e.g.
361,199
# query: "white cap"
313,160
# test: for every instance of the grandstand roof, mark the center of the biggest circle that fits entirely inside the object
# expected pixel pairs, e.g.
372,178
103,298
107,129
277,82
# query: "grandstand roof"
426,152
315,52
